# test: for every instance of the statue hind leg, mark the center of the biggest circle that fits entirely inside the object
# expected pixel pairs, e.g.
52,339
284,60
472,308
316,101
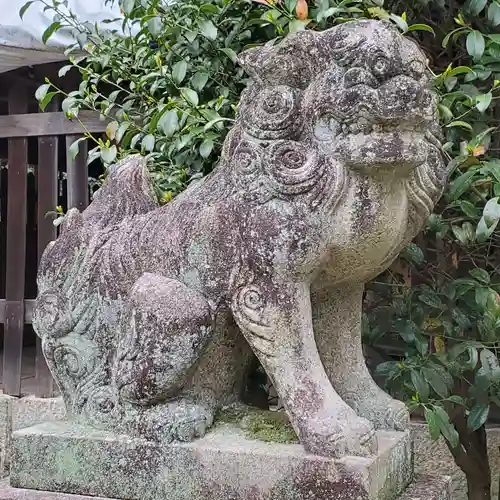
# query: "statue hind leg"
164,331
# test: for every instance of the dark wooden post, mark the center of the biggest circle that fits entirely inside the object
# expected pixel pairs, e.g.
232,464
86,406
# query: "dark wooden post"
16,249
47,175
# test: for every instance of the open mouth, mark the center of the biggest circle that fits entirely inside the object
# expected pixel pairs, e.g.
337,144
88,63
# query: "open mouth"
364,127
363,145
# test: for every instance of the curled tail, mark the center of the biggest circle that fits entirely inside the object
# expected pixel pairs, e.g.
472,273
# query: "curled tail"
127,191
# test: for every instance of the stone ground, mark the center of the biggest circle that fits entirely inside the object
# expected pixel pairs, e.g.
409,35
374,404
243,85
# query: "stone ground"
433,457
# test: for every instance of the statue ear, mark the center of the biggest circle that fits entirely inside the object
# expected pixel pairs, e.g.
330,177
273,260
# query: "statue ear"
251,60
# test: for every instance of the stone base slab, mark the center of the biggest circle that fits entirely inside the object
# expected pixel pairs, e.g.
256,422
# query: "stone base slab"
224,465
424,488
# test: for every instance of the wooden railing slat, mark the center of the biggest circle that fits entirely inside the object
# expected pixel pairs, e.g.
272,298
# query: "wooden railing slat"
49,124
16,250
47,173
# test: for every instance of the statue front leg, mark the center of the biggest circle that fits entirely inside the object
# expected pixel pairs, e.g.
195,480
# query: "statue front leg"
337,325
276,321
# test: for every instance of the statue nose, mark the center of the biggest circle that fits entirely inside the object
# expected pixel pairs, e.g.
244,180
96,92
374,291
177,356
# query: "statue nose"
359,76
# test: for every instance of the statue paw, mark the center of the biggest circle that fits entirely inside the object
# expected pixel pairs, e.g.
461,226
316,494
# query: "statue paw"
353,437
383,411
396,417
175,421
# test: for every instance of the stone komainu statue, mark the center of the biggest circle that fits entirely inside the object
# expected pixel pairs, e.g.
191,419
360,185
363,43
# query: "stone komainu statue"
149,315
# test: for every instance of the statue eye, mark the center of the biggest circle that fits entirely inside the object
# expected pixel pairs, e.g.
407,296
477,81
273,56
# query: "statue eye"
381,66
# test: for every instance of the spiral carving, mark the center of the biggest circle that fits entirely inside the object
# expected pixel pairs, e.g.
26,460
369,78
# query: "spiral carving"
246,163
292,168
251,304
272,113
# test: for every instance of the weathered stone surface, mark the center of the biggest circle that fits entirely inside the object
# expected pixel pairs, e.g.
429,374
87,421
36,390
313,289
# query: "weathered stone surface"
149,316
16,413
427,487
224,465
424,488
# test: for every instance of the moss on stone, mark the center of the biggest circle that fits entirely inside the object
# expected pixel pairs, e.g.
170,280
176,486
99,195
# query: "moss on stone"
262,425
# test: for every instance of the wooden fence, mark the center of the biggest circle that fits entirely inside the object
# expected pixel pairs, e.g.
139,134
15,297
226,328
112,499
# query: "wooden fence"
47,130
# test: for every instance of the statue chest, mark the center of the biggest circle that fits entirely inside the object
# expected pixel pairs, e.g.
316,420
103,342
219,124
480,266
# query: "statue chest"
370,223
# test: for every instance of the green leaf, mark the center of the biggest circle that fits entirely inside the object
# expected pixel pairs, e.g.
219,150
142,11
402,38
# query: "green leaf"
435,381
481,296
25,7
494,13
111,129
128,6
473,358
475,44
297,25
135,140
476,6
459,123
478,416
50,31
431,299
47,99
208,29
420,27
155,26
456,399
420,384
190,95
432,423
148,143
446,427
69,106
387,369
62,72
491,211
483,101
461,184
459,70
199,80
407,329
480,275
445,113
460,318
121,131
210,8
41,91
75,147
422,344
230,53
452,34
169,123
490,365
468,208
414,254
108,155
179,70
399,22
206,148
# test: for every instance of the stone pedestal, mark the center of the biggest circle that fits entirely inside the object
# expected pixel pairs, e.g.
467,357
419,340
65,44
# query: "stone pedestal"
224,465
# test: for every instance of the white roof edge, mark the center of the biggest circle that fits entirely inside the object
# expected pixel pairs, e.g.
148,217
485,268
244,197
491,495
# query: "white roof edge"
21,39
